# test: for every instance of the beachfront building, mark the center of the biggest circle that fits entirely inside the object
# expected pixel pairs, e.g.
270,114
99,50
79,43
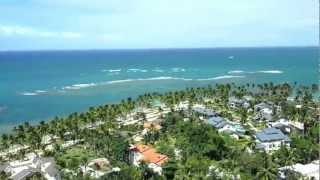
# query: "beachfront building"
97,168
144,153
223,125
204,112
287,126
264,112
271,139
21,169
235,103
309,171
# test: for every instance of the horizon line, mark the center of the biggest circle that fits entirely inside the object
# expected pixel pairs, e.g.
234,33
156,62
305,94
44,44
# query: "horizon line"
169,48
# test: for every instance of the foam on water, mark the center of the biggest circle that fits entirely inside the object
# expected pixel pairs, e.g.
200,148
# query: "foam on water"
255,72
79,86
271,72
111,70
235,72
177,69
137,70
158,70
221,77
29,93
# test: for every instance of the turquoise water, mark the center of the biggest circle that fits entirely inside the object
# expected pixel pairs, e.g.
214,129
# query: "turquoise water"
36,86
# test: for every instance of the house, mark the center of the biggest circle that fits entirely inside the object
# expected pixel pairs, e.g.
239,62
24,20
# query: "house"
287,126
204,111
149,155
223,125
310,171
97,168
264,111
264,114
147,126
21,169
234,103
183,105
270,139
262,105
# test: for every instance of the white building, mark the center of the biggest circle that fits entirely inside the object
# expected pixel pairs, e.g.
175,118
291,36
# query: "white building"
287,126
310,171
21,169
271,139
149,155
264,114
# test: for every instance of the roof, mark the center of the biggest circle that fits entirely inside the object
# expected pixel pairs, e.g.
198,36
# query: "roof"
150,154
23,174
235,100
304,169
217,122
266,110
149,125
207,112
262,106
271,134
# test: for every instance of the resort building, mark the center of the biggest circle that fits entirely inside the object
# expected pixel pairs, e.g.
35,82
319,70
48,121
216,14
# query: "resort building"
204,111
21,169
287,126
309,171
271,139
223,125
234,103
152,125
144,153
264,112
97,168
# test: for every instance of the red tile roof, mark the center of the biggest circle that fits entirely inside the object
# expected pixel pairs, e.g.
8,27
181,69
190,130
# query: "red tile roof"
150,154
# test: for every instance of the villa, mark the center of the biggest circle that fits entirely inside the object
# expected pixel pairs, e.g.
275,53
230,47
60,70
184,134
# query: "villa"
204,112
223,125
97,168
264,112
22,169
152,125
287,126
310,171
271,139
234,103
149,155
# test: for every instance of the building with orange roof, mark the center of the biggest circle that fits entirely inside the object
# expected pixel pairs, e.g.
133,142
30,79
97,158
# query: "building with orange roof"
147,154
150,125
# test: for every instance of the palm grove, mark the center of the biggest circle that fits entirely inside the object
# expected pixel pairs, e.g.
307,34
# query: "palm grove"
195,149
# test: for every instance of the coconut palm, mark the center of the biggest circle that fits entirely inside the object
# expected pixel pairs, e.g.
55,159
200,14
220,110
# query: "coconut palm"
268,171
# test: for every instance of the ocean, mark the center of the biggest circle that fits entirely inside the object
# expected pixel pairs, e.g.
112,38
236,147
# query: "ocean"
38,85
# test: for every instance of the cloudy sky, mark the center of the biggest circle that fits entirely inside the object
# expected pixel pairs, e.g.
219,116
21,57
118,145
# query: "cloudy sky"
114,24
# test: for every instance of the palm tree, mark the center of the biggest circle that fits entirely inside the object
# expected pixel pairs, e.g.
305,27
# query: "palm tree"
269,170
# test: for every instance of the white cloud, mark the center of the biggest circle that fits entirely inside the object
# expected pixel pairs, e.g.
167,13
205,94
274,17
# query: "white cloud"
23,31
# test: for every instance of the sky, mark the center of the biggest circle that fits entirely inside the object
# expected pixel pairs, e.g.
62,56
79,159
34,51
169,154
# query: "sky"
135,24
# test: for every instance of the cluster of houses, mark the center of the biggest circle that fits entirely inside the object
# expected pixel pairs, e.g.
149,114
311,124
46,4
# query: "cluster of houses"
30,165
268,139
309,171
147,154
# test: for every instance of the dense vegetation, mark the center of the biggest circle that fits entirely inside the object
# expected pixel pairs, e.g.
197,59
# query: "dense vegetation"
196,150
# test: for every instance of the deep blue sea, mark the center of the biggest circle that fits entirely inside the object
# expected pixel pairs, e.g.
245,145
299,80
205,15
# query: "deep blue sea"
39,85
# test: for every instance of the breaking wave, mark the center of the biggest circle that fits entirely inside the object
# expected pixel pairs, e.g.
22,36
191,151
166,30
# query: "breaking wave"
111,70
255,72
79,86
235,72
271,72
178,69
33,93
221,77
137,70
